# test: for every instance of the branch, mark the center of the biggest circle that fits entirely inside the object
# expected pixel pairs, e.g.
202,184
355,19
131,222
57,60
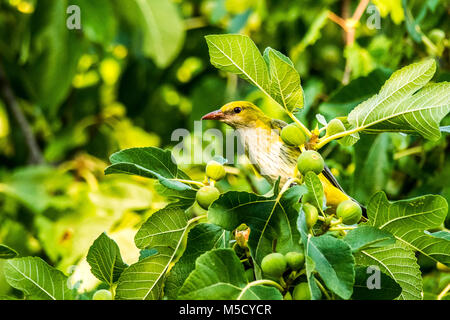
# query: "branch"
348,24
10,100
336,19
360,9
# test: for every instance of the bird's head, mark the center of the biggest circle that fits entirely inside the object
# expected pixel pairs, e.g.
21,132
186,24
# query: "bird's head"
239,114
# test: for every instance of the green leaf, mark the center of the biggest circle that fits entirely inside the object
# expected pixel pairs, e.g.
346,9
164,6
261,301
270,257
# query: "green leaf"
445,129
412,26
345,98
219,275
399,263
182,197
159,25
310,265
441,234
392,7
365,237
408,219
395,108
145,253
312,35
334,263
285,86
105,259
316,294
388,290
165,231
315,190
269,218
7,252
373,159
332,258
351,139
201,238
238,54
359,60
27,185
162,228
420,113
151,163
98,30
54,48
37,279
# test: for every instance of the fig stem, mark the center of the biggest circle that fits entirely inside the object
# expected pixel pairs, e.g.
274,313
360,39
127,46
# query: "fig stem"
341,228
282,282
260,282
443,292
300,124
321,287
335,223
201,184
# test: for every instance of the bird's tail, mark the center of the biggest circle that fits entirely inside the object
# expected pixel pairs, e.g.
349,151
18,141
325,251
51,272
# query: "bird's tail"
327,173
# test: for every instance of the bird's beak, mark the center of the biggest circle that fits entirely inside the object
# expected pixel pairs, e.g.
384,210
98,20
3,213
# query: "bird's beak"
215,115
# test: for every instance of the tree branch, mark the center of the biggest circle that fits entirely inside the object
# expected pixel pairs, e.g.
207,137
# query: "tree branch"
360,9
10,100
348,24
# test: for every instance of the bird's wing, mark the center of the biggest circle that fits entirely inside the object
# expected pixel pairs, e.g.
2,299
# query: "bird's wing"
277,124
327,173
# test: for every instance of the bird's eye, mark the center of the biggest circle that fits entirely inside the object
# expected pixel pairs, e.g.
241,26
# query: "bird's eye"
237,110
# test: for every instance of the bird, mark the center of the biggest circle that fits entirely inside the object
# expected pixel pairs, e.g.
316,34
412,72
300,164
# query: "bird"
272,158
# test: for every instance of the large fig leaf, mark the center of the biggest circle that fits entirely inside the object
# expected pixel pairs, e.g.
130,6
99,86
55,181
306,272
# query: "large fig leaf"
149,162
272,220
37,279
398,108
408,219
220,275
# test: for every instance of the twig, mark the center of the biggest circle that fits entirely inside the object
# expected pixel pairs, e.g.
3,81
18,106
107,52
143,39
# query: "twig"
360,9
11,102
348,24
443,292
336,19
322,288
197,183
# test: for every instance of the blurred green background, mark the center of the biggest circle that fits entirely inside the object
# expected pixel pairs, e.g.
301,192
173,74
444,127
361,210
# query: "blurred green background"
139,69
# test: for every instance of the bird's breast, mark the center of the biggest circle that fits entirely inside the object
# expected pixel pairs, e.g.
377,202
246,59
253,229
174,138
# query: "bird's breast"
267,152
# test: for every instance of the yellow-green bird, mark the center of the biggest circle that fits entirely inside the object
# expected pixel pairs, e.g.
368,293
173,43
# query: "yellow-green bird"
260,136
